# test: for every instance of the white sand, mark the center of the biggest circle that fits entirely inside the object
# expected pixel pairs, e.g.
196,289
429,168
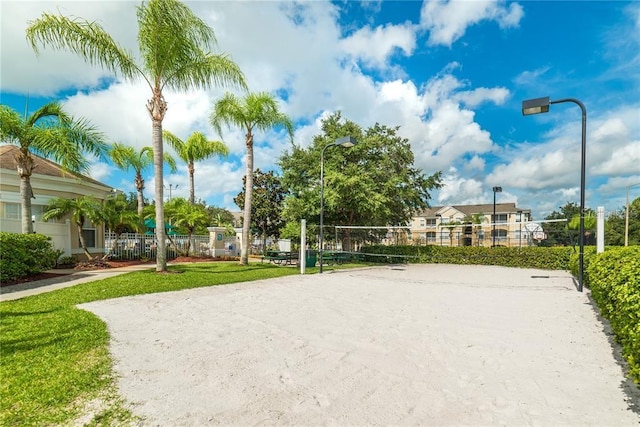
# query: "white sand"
412,345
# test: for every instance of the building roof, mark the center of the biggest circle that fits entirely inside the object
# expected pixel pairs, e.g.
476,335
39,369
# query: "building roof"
42,166
474,209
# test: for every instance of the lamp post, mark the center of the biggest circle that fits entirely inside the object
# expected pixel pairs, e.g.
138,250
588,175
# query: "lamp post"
493,232
626,216
171,187
541,105
345,142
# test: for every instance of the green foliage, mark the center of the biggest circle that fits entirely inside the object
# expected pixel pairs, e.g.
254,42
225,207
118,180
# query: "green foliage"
614,226
372,183
266,204
526,257
614,279
55,356
22,255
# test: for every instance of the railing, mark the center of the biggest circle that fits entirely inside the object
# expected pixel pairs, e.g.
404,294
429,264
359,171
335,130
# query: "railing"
130,246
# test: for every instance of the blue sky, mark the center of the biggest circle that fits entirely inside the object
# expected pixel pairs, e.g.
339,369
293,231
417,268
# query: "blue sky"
451,74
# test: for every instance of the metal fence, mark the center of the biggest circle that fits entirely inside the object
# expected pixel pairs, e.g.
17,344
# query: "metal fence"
130,246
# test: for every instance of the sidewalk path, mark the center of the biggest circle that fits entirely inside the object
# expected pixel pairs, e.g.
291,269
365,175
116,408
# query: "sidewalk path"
65,279
413,345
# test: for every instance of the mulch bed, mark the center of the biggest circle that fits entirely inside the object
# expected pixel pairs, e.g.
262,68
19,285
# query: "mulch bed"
98,264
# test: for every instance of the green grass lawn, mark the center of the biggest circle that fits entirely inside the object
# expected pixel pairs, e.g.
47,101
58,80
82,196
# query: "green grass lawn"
54,357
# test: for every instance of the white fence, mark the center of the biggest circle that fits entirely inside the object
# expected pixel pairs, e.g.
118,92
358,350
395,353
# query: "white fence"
139,246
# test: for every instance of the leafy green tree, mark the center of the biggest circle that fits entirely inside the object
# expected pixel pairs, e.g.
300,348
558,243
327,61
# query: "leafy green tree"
614,226
558,233
80,209
256,111
373,183
186,217
194,149
266,206
52,133
126,157
174,53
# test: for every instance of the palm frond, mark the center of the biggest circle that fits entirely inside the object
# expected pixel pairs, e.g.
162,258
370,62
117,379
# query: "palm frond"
86,39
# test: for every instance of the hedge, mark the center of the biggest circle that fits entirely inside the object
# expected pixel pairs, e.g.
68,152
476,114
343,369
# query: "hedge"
23,255
614,279
526,257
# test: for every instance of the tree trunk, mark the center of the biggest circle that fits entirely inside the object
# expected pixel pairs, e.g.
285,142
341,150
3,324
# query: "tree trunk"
157,108
82,242
246,222
192,196
25,167
140,186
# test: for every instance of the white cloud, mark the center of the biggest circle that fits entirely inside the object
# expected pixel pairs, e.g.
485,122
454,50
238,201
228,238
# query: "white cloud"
448,20
374,46
475,97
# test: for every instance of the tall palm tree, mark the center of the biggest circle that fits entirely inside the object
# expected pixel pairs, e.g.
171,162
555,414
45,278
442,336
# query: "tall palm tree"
175,54
126,157
81,209
49,132
254,111
194,149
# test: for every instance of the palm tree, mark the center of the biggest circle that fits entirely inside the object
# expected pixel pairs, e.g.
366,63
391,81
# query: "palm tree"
118,219
254,111
80,208
194,149
188,216
174,47
49,132
126,157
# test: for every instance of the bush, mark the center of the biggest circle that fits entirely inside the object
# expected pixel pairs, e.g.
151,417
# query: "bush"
527,257
614,279
23,255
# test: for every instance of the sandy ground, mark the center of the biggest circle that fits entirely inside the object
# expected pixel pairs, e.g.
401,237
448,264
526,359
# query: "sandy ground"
411,345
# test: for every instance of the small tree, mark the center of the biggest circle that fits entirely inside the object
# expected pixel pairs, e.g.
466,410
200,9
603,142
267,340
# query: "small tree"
186,216
117,218
266,206
81,209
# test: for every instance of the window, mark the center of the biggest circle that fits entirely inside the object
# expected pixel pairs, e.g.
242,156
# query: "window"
12,211
518,216
89,234
501,234
445,220
431,222
422,223
431,236
501,218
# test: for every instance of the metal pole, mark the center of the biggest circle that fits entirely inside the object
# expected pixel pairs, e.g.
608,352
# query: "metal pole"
493,232
320,243
626,220
582,184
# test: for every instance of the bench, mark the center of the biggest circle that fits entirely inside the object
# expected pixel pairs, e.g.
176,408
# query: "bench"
281,257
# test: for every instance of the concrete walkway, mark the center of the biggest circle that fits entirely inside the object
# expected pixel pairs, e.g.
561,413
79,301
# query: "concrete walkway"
65,279
408,345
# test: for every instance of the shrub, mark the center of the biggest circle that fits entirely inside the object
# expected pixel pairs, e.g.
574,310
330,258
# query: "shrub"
614,279
527,257
23,255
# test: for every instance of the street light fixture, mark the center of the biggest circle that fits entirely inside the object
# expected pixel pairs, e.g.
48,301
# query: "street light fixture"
541,105
495,190
346,142
626,216
171,187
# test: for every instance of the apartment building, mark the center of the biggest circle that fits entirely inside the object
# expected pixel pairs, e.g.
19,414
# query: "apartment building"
474,225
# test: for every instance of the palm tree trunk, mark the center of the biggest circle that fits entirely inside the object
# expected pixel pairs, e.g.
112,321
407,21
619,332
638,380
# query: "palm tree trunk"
157,108
82,242
246,221
25,167
140,186
192,196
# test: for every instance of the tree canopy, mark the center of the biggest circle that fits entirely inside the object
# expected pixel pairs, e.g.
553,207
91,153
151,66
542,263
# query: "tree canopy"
372,183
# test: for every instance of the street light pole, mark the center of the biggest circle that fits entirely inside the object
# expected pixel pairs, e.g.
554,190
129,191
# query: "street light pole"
626,216
346,142
495,190
171,187
541,105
